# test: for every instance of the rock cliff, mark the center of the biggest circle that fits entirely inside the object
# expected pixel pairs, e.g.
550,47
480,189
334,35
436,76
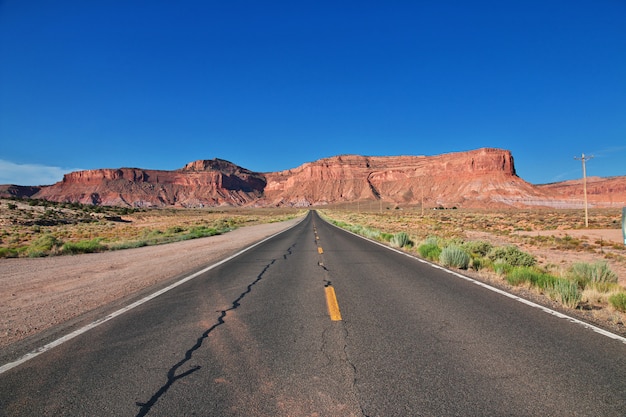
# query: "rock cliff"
480,178
198,184
601,192
484,177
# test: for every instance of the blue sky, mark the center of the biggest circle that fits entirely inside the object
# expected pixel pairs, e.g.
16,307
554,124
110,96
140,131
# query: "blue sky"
271,85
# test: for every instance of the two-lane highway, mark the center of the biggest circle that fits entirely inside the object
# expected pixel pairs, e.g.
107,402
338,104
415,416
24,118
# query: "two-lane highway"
316,321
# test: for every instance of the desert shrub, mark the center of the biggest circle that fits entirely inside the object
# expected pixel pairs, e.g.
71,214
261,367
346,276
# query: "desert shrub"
511,255
454,256
128,245
604,287
431,240
371,233
543,281
174,230
355,228
520,275
500,266
477,263
83,246
201,231
566,292
618,301
600,296
599,272
429,251
8,253
478,247
153,234
42,245
400,240
386,237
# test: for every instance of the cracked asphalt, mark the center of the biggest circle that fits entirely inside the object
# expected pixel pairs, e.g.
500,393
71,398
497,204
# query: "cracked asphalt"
254,337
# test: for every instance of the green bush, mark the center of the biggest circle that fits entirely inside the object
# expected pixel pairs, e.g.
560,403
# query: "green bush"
500,266
544,281
618,301
477,263
8,253
599,272
400,240
454,256
478,247
566,292
429,251
84,246
371,233
201,231
43,245
128,245
520,275
511,255
431,240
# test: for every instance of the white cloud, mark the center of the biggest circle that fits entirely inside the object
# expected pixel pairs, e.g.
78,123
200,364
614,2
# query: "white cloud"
31,174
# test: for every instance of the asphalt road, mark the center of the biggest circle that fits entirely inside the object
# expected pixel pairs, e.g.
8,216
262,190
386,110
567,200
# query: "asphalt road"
255,337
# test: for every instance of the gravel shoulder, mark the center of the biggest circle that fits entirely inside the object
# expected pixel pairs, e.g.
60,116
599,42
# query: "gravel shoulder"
42,294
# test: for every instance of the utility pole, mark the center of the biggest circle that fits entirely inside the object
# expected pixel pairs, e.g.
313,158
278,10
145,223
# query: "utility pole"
584,159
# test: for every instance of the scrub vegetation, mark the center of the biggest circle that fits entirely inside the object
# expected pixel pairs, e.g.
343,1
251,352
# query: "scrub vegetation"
37,228
505,257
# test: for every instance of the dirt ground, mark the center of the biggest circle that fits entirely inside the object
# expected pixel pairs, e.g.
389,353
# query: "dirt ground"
39,293
568,257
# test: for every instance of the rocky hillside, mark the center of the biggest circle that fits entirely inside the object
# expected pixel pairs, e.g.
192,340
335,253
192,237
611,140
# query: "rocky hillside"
481,178
198,184
601,192
466,179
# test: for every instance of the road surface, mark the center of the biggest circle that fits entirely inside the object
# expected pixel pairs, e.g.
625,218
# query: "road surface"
318,322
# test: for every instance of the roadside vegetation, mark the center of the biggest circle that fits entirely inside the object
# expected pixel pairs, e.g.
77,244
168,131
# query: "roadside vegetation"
441,237
38,228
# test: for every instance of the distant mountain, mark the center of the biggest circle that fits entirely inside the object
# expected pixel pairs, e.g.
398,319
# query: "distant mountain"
480,178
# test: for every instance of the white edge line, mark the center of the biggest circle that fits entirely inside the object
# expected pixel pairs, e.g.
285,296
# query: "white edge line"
497,290
34,353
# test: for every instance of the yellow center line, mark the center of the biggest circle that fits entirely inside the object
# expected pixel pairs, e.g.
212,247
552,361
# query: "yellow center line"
320,250
333,305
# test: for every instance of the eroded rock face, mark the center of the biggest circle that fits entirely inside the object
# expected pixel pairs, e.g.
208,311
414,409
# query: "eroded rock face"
199,184
468,179
481,178
601,192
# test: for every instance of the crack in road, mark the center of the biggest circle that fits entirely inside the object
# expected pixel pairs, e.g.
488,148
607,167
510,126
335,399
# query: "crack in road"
325,348
172,377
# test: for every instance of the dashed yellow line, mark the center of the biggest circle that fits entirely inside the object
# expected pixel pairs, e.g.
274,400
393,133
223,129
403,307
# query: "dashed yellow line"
320,250
333,305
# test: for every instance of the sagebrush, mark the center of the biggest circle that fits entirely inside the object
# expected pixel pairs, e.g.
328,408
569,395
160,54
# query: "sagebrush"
454,256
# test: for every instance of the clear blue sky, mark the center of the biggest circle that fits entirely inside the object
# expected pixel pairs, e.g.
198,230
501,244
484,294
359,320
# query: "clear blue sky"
270,85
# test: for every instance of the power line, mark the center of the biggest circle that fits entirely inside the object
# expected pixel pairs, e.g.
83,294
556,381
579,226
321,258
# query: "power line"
584,159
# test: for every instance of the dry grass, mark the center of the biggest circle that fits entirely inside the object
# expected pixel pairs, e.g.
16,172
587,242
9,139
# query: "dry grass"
25,222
